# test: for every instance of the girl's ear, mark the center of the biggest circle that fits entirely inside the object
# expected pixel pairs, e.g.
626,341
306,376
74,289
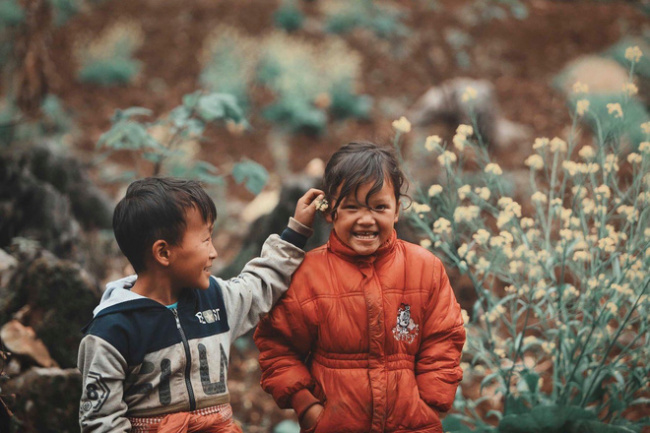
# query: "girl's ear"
161,252
328,217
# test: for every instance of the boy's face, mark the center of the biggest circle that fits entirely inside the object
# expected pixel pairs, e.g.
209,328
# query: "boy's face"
362,229
192,259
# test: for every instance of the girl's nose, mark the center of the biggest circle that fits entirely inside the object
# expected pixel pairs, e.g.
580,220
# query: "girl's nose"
366,217
213,251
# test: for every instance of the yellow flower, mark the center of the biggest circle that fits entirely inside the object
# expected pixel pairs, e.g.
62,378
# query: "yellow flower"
465,130
482,265
469,94
587,152
420,208
464,315
540,143
539,197
611,307
581,256
434,190
466,213
402,125
432,143
535,162
459,141
527,223
603,191
483,192
558,145
494,169
462,250
579,87
463,191
645,127
442,226
425,243
633,54
611,163
615,109
630,89
582,106
634,158
571,167
548,346
481,236
607,244
447,158
644,147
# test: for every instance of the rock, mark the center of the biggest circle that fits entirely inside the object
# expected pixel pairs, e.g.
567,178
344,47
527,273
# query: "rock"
22,340
60,297
601,74
8,266
47,197
47,400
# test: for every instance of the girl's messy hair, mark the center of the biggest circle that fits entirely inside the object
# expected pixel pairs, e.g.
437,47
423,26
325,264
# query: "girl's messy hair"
358,163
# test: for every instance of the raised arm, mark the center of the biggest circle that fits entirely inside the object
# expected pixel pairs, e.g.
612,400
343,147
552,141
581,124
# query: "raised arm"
437,367
263,280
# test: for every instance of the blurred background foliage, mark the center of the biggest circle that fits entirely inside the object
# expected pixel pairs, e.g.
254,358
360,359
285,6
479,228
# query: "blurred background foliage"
250,96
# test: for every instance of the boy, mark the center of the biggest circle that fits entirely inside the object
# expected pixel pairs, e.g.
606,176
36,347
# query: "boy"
155,355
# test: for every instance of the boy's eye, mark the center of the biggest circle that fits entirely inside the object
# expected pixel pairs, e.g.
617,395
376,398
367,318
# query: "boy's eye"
381,207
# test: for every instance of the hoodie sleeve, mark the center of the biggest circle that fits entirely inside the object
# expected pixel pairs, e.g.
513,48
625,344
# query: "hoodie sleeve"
103,370
437,367
262,281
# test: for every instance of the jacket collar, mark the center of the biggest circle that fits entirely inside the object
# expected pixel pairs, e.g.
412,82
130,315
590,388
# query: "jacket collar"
336,246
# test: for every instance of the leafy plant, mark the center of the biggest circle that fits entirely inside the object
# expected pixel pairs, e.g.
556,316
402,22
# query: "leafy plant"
229,60
308,80
288,17
171,143
558,336
382,19
107,60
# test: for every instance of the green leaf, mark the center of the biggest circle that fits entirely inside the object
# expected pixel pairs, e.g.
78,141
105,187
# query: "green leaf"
453,424
252,173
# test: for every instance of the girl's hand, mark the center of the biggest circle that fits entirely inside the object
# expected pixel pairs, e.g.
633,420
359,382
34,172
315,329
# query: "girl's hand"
311,416
306,206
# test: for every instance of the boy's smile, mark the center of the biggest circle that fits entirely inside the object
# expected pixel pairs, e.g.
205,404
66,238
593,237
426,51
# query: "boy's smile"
363,228
191,265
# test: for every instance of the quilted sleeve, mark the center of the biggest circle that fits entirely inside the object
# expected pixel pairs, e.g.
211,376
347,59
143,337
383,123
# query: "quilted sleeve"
284,340
437,367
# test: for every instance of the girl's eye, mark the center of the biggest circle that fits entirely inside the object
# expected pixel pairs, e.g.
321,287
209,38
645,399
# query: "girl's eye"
381,207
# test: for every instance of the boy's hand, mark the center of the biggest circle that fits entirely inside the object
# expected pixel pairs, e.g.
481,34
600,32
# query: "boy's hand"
306,206
310,417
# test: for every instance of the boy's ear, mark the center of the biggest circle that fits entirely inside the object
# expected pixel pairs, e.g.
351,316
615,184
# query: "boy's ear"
161,252
328,217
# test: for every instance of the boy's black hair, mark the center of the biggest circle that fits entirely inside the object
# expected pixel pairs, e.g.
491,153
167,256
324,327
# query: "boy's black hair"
155,208
358,163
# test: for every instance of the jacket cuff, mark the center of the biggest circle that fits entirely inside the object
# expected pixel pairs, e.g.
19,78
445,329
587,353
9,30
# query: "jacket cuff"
303,400
299,227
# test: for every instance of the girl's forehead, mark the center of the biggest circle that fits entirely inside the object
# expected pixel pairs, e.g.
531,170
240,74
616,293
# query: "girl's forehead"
361,190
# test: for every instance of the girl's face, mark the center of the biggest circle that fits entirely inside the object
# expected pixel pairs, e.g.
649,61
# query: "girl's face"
365,229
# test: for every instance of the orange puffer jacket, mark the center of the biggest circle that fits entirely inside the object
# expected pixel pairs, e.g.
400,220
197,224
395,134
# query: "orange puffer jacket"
375,339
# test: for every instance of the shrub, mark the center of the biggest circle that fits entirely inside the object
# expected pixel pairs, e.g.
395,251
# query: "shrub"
558,336
288,17
229,59
107,59
172,142
306,78
382,19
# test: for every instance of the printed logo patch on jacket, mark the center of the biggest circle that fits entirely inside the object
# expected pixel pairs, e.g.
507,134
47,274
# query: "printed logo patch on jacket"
96,393
209,316
405,329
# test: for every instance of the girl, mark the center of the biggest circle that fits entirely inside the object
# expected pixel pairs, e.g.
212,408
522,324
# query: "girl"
368,338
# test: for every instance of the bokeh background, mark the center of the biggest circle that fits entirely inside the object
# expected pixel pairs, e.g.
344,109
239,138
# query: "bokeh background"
252,97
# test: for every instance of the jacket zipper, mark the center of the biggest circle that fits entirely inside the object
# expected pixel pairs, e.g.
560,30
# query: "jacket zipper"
188,361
